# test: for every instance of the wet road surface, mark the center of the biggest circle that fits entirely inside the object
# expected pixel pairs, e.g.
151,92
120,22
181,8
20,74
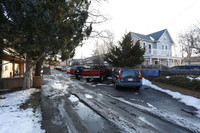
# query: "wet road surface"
102,108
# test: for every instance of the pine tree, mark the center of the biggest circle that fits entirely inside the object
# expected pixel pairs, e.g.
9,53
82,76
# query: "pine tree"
126,54
44,27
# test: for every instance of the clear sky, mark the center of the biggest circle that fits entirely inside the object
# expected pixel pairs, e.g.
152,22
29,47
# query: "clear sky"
145,16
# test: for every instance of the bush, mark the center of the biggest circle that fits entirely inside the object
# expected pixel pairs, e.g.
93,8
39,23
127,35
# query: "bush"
180,81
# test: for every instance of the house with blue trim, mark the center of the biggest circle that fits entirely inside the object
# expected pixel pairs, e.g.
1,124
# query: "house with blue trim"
158,47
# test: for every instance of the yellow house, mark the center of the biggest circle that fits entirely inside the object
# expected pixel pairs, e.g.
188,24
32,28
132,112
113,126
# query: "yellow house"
12,65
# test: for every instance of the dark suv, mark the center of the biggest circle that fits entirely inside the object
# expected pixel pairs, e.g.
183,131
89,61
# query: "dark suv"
127,78
78,71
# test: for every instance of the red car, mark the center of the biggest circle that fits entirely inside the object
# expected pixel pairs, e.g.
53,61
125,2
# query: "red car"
72,70
95,72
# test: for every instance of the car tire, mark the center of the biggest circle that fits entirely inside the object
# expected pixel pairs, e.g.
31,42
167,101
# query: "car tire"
116,86
137,88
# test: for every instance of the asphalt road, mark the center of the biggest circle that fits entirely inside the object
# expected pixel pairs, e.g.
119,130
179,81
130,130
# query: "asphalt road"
72,105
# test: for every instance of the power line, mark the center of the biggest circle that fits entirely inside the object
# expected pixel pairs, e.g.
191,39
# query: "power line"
186,9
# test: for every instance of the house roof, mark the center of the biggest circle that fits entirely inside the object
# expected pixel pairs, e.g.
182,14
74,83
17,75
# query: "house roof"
157,35
151,37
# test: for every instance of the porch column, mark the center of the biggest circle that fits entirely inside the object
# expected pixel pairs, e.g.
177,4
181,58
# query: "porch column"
150,61
20,67
13,66
168,62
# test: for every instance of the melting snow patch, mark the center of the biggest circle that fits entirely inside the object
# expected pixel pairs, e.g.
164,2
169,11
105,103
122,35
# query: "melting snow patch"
73,98
188,100
191,125
88,96
14,119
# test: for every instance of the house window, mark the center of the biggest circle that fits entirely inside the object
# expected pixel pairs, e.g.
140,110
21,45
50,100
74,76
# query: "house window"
166,47
149,48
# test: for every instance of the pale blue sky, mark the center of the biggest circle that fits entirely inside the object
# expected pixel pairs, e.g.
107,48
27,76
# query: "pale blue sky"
145,16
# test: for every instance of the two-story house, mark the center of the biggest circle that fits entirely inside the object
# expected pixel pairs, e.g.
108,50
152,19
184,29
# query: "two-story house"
158,47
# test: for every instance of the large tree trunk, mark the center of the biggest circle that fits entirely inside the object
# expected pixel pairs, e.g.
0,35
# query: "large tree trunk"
38,68
1,57
28,73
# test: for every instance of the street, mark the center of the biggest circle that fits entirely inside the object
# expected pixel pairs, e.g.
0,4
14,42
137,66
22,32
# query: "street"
72,105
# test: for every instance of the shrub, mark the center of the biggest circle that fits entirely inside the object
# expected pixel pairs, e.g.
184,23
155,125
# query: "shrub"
180,81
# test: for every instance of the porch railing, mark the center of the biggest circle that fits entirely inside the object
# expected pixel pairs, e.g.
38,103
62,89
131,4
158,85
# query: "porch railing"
158,52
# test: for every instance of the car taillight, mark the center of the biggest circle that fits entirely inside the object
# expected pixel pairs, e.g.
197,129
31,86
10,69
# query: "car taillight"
119,76
140,75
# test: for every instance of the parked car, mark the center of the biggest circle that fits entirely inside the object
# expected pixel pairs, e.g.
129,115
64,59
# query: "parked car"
78,71
64,68
72,69
127,78
186,67
68,69
95,72
58,68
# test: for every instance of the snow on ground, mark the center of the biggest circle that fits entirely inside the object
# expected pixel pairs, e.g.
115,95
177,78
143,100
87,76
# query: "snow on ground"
16,120
188,100
192,78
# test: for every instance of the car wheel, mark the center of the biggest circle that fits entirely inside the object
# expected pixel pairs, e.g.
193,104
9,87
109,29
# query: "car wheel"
116,86
137,88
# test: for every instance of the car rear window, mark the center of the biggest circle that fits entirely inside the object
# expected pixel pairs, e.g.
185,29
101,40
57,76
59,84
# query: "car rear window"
129,73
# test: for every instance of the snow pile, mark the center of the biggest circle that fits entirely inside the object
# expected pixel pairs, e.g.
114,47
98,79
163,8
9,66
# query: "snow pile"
55,89
188,100
16,120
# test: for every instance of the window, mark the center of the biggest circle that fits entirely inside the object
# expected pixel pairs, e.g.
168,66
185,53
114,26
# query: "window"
149,48
166,47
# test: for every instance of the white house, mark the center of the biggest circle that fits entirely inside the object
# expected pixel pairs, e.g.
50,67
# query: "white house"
158,47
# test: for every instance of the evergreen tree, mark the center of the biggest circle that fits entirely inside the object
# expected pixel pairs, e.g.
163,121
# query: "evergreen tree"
44,27
126,54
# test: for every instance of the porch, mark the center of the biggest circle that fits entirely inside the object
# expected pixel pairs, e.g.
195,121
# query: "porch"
166,61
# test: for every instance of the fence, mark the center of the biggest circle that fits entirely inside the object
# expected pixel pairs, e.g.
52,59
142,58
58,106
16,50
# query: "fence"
156,67
166,71
9,83
181,72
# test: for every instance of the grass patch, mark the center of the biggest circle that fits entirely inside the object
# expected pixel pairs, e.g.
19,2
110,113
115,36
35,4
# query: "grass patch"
32,102
180,81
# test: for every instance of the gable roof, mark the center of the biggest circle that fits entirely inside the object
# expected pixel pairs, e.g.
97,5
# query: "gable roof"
157,35
151,37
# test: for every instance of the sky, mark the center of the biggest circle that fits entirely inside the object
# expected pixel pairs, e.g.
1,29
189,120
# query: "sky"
144,17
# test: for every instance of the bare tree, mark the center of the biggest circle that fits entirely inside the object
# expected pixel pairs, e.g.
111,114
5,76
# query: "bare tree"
102,48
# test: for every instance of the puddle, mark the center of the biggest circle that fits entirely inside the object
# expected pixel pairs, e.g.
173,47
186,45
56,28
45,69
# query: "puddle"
94,122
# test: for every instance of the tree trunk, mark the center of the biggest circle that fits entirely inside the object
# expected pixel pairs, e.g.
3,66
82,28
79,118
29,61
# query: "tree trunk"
28,73
38,68
1,57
